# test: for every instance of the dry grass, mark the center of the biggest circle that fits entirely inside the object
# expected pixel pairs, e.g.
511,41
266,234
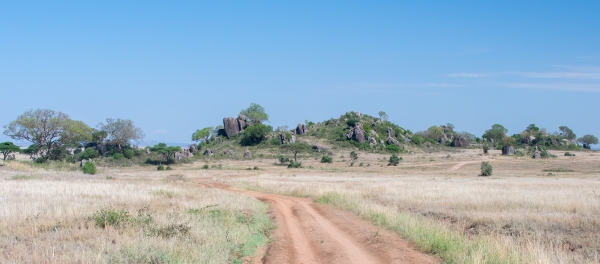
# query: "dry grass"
51,217
519,215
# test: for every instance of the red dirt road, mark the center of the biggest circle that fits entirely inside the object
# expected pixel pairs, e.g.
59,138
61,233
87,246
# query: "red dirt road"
314,233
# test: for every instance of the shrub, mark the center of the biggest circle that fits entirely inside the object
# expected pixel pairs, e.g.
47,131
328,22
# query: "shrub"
392,148
111,217
89,153
205,167
89,168
486,148
40,160
352,122
254,134
394,160
118,156
256,168
417,139
326,159
283,159
160,167
168,168
569,154
128,153
486,169
295,164
354,155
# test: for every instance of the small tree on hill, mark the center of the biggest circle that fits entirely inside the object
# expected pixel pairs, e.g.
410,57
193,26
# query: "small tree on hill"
255,113
383,116
202,134
497,132
7,148
255,134
567,133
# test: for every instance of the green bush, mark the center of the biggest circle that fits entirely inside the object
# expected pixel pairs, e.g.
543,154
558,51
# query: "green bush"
89,168
283,159
417,139
89,153
160,167
128,153
294,165
569,154
118,156
168,168
354,155
40,160
205,167
392,148
254,134
111,217
352,122
326,159
394,160
486,148
486,169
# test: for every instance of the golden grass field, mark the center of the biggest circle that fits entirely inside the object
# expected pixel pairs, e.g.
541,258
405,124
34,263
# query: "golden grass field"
528,211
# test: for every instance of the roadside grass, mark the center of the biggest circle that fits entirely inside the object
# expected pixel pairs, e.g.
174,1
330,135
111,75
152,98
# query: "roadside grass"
465,220
70,217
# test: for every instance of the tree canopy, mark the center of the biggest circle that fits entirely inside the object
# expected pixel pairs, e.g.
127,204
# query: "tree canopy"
255,134
48,129
255,113
588,140
7,148
295,148
202,134
497,132
121,131
165,151
567,133
383,116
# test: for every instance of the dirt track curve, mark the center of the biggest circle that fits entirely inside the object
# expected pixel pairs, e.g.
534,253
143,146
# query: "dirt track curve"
314,233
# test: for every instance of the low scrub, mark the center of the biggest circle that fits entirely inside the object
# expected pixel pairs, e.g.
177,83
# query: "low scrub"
89,168
295,165
326,159
486,169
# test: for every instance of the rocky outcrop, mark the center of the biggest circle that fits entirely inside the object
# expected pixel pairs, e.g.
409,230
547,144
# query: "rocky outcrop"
537,154
193,148
393,141
209,152
372,141
357,133
147,151
229,152
183,154
301,129
460,142
554,142
508,150
316,148
292,139
231,126
247,155
282,139
391,133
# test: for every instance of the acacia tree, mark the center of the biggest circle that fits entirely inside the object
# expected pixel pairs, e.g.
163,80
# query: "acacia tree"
567,133
255,113
497,132
588,140
202,134
47,129
7,148
383,116
121,131
165,151
296,148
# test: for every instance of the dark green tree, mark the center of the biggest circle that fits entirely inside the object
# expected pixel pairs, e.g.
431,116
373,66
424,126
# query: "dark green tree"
165,151
255,134
497,132
255,113
7,148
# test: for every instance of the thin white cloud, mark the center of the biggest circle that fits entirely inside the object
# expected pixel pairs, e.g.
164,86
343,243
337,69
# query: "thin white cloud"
160,131
467,74
573,87
560,75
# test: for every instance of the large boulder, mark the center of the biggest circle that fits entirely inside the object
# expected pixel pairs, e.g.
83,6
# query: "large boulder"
460,142
231,126
193,148
242,123
282,139
301,129
359,133
508,150
316,148
391,133
292,139
147,151
554,142
537,154
393,141
209,152
372,141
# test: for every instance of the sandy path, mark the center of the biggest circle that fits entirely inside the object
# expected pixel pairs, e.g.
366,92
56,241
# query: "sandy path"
314,233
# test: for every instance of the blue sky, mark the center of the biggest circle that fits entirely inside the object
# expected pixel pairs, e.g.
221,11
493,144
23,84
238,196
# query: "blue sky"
175,67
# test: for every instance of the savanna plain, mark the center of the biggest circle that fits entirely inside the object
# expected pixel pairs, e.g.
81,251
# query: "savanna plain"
528,211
